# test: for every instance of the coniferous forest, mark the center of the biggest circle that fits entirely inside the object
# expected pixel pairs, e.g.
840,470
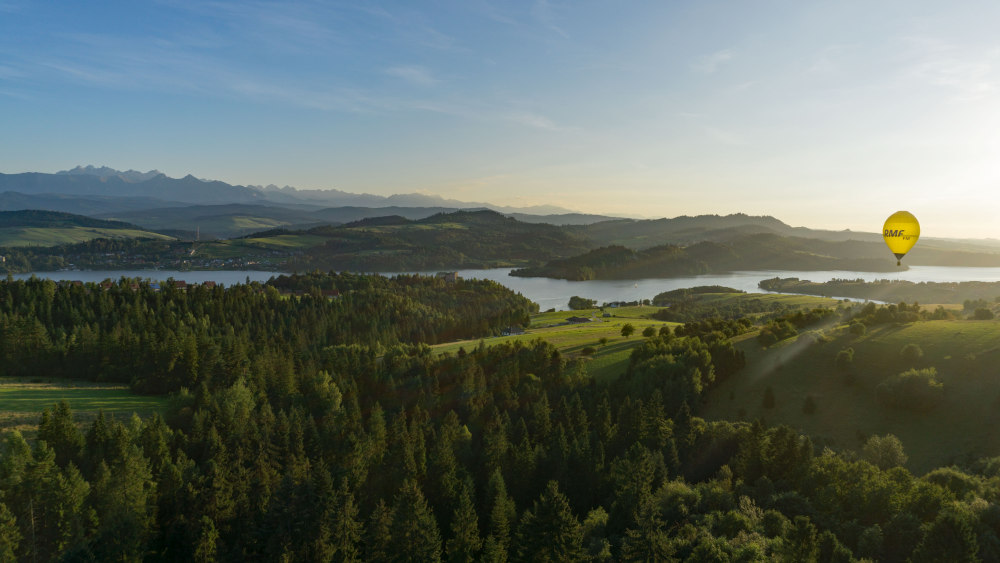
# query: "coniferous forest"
310,421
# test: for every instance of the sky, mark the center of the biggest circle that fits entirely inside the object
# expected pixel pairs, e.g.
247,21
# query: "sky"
823,114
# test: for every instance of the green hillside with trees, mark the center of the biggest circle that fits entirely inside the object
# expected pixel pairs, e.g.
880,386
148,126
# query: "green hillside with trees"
751,252
308,419
34,228
984,294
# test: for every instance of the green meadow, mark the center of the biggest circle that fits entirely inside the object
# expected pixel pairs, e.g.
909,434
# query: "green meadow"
53,236
607,361
610,360
22,401
965,353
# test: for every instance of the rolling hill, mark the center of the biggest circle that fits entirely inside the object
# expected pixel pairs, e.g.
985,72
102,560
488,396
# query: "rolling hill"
53,228
960,429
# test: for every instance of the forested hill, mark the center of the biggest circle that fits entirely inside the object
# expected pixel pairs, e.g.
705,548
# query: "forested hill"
680,230
754,252
39,229
453,240
893,291
51,219
295,437
160,340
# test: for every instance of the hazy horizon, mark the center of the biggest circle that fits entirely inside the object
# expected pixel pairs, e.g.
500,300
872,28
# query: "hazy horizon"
834,115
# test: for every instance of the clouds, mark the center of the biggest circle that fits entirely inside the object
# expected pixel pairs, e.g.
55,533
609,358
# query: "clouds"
708,64
708,99
970,74
413,74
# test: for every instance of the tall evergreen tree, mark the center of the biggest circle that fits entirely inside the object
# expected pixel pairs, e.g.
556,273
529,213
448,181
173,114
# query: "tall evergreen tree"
10,534
465,542
550,531
347,529
415,535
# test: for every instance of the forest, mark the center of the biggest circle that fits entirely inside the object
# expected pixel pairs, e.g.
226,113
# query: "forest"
307,424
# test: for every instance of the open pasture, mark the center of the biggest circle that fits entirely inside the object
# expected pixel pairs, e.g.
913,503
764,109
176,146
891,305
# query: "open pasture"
23,400
966,355
607,362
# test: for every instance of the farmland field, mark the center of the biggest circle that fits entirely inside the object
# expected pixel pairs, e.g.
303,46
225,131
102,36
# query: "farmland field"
23,400
52,236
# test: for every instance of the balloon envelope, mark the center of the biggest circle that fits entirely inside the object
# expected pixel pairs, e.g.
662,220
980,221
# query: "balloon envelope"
901,231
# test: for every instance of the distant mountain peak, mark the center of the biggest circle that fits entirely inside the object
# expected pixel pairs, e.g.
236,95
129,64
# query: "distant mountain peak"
129,175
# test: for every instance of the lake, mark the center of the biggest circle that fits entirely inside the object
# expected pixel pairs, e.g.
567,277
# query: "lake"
549,293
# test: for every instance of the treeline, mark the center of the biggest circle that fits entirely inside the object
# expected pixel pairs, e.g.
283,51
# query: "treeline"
161,340
94,253
893,291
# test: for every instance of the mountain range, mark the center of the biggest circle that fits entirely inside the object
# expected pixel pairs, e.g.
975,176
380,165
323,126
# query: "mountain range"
214,209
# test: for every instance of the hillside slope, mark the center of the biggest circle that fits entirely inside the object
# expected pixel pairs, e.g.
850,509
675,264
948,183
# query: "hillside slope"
964,353
53,228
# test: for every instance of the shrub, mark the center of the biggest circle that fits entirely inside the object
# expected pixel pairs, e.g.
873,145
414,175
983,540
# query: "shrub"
588,351
911,353
845,359
649,332
914,389
885,452
577,303
983,315
857,328
776,331
627,330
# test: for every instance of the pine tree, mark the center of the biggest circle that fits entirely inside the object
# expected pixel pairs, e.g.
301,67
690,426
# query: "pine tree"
648,541
347,530
465,542
415,535
378,539
10,535
503,513
550,531
205,547
61,434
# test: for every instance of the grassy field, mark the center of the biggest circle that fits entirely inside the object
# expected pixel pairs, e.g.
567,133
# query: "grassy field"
608,361
966,355
287,242
776,299
23,400
611,360
52,236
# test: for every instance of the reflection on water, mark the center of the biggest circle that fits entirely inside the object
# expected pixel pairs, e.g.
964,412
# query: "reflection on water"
549,293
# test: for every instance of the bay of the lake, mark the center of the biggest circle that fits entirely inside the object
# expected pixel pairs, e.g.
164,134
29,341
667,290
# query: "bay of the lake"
555,294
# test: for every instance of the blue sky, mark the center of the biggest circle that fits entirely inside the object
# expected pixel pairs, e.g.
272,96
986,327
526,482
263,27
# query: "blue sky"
830,115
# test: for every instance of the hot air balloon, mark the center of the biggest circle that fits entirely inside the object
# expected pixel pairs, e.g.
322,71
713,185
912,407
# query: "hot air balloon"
901,231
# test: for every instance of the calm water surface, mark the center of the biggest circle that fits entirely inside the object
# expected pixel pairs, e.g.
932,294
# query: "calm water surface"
549,293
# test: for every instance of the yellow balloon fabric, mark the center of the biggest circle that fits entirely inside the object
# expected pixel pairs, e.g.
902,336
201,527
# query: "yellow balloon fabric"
901,231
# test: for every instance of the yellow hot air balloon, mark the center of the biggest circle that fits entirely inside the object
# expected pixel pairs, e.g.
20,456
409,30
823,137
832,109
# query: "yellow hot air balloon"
901,231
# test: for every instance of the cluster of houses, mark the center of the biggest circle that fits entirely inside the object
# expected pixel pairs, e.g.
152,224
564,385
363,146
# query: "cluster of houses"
448,277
